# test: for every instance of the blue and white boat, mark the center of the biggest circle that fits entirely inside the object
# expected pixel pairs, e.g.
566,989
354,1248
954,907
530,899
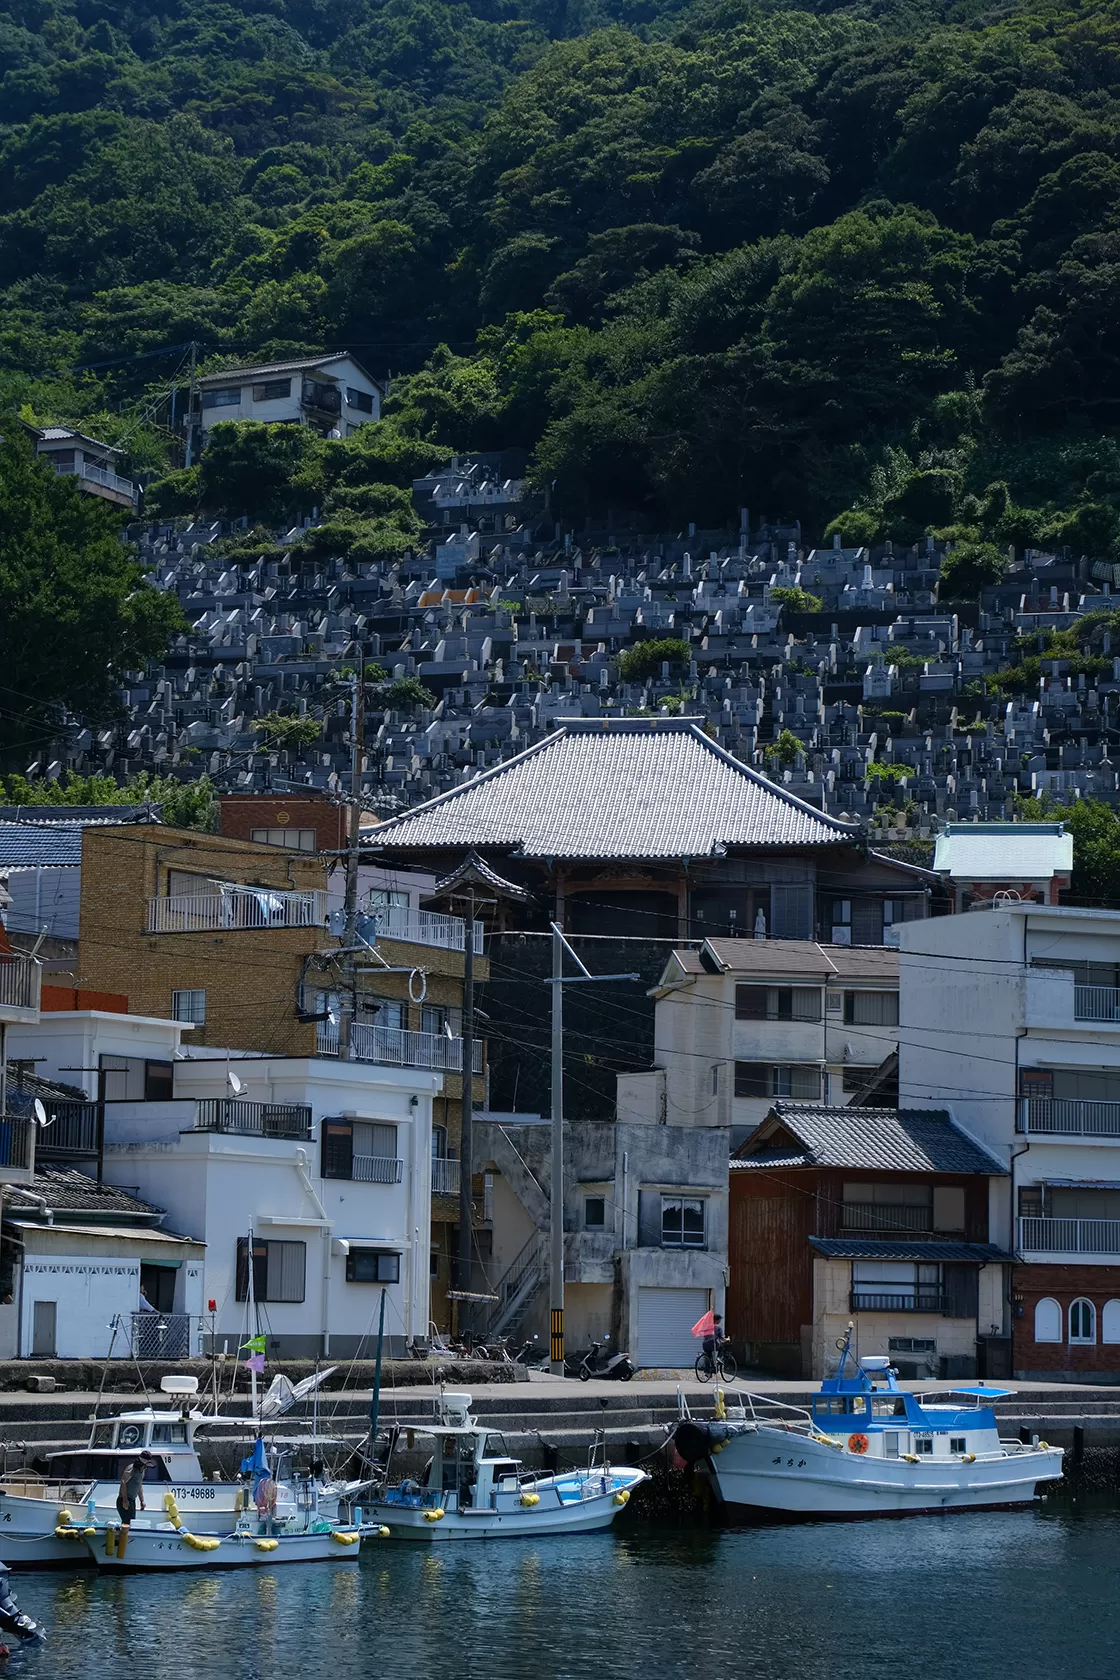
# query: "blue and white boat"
864,1448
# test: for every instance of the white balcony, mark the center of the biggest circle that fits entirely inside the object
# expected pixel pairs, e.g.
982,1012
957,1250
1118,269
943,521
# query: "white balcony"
376,1169
99,478
20,983
1069,1236
397,1047
233,909
1096,1003
1059,1117
445,1176
424,927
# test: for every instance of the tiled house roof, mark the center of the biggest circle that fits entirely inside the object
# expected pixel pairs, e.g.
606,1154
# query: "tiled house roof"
872,1139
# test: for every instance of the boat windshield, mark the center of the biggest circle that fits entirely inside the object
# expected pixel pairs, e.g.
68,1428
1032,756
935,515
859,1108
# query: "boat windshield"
102,1435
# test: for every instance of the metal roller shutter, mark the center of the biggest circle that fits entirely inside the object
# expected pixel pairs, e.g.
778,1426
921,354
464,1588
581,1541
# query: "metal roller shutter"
665,1320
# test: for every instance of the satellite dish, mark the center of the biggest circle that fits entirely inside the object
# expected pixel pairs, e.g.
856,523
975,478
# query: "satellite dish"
40,1113
236,1085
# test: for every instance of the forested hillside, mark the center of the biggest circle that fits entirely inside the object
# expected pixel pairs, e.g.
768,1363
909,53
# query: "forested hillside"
860,263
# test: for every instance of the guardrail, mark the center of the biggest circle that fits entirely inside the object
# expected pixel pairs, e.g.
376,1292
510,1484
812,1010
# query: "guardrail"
17,1145
445,1176
1041,1235
257,1119
885,1216
862,1300
1096,1003
156,1335
376,1169
237,908
398,1047
1066,1117
21,982
73,1128
424,927
99,475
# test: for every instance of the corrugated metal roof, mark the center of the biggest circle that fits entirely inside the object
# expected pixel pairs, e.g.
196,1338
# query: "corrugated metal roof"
30,846
617,789
859,1248
259,369
875,1139
804,957
1003,851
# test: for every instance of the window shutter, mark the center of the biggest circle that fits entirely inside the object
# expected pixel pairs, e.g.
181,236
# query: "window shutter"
752,1079
287,1271
649,1219
867,921
791,912
260,1269
805,1084
962,1291
338,1149
750,1003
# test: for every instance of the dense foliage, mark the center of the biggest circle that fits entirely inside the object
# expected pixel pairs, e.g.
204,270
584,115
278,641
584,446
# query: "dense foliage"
857,264
75,611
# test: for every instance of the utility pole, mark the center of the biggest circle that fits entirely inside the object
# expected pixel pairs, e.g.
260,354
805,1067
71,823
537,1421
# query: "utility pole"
348,1001
556,1227
190,403
466,1105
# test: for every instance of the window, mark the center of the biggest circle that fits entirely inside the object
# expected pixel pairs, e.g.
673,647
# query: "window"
958,1443
279,1270
439,1143
364,1151
433,1263
890,1443
373,1265
1082,1321
133,1079
228,397
1047,1320
801,1081
361,400
853,1079
871,1009
912,1344
1110,1322
834,1002
272,390
189,1006
1030,1206
923,1443
296,839
896,1286
382,898
777,1003
594,1212
682,1222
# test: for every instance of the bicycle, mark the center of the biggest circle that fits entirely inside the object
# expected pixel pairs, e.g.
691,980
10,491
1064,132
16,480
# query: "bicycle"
720,1363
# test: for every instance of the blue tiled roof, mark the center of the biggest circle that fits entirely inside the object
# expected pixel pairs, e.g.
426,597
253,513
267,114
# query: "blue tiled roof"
865,1248
617,788
33,846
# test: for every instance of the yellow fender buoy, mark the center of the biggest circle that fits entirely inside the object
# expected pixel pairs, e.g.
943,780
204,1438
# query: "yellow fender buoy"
89,1533
171,1510
1044,1446
968,1458
530,1499
720,1406
345,1539
64,1517
383,1532
111,1542
200,1542
911,1458
622,1497
266,1545
435,1515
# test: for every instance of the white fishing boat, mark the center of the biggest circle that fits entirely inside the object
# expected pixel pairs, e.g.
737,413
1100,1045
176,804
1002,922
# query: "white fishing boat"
39,1515
155,1544
473,1490
864,1447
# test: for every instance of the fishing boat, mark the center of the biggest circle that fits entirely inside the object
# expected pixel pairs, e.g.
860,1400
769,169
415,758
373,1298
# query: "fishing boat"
39,1514
864,1448
164,1542
473,1490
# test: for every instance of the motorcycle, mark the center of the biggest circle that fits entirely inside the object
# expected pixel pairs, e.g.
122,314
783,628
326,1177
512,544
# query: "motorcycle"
603,1362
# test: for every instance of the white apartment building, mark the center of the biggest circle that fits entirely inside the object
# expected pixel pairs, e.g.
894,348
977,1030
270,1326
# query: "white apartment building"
327,1163
741,1023
1010,1019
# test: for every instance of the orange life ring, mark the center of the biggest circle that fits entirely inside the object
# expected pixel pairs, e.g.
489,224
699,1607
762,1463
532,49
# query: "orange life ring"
858,1443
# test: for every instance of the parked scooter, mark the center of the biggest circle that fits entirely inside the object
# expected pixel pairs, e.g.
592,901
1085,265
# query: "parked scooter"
600,1361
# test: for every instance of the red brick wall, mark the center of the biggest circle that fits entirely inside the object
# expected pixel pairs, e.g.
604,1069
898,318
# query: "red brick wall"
1062,1284
240,814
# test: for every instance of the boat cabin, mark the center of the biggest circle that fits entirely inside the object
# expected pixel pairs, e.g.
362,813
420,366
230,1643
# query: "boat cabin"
168,1435
469,1468
873,1415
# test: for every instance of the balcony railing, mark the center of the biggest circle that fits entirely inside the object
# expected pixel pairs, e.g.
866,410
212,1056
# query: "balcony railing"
885,1216
1062,1117
99,475
376,1169
274,1120
20,982
1069,1236
862,1301
1096,1003
16,1141
73,1128
445,1177
397,1047
237,908
424,927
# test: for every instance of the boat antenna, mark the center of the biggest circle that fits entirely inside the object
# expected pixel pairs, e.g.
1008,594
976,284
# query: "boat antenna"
845,1349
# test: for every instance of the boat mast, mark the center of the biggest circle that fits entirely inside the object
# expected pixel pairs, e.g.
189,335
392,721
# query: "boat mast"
254,1327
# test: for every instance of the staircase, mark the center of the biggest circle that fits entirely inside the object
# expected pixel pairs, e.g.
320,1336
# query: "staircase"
516,1290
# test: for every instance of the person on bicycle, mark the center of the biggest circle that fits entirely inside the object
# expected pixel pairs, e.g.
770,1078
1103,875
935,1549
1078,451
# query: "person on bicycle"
717,1341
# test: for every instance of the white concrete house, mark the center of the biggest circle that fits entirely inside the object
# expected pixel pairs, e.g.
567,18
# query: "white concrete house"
332,393
742,1023
327,1162
1010,1019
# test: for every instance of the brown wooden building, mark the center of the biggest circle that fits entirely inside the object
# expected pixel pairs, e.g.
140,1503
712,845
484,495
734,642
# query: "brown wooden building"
878,1216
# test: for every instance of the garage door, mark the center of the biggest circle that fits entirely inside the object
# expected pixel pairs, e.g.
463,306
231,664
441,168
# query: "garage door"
665,1320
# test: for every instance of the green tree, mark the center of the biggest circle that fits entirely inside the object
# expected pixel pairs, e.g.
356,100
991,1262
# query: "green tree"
970,567
1095,827
784,751
285,732
645,659
797,600
75,610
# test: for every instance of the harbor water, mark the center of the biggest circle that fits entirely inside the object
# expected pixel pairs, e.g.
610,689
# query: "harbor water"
1025,1595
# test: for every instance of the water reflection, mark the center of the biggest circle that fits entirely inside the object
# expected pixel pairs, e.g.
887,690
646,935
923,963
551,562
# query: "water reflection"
966,1598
